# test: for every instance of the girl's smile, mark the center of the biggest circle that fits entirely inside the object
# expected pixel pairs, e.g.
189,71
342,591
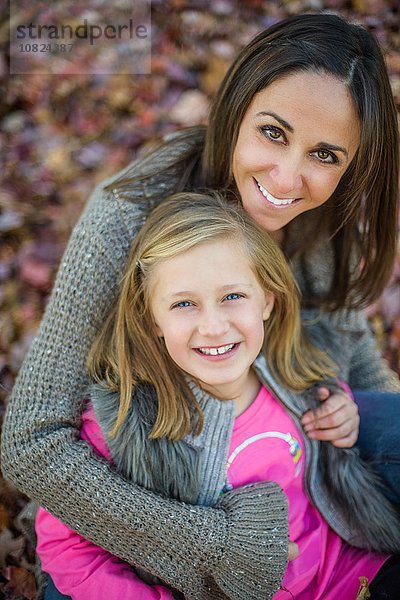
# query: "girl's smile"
219,352
296,140
210,309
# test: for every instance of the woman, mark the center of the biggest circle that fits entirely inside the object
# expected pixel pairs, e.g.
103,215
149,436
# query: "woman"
333,191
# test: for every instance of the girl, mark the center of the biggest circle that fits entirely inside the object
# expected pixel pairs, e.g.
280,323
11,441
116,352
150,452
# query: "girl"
187,407
304,131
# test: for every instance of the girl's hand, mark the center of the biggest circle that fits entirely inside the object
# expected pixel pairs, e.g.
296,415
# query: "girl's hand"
336,420
293,551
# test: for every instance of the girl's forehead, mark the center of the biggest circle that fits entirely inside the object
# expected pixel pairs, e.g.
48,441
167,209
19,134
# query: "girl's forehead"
228,252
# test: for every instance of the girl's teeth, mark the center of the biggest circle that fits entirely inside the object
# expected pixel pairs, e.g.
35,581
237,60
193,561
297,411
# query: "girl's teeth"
215,351
272,198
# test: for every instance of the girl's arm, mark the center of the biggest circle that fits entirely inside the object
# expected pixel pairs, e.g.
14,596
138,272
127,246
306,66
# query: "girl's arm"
337,419
43,456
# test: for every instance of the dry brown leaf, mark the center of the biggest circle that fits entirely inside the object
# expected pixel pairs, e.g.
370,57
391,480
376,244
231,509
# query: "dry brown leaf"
214,73
10,546
191,109
4,517
21,582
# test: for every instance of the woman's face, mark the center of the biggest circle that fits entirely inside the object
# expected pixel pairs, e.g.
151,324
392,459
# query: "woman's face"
295,142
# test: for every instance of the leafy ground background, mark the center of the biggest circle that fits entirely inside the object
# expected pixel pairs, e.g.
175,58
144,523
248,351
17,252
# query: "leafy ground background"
60,135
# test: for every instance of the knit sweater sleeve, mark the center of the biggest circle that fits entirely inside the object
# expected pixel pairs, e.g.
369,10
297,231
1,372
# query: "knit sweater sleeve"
368,369
347,338
233,544
364,365
79,568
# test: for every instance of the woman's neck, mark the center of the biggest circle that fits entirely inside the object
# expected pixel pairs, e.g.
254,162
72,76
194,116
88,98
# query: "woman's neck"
278,236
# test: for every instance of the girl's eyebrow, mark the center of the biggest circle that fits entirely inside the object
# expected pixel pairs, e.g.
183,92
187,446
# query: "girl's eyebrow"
183,293
223,288
286,125
235,285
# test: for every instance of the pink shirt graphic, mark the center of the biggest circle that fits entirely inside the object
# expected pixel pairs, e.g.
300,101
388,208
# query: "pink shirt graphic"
266,445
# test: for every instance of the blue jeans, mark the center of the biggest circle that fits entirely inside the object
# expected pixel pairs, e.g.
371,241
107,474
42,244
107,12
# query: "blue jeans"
379,439
52,592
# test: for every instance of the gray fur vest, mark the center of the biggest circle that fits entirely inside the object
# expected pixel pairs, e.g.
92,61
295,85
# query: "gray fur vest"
343,487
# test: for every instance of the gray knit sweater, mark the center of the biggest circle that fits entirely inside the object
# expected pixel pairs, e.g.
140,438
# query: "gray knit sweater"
41,453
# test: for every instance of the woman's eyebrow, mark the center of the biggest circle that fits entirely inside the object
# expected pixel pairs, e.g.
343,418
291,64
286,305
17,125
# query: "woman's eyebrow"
286,125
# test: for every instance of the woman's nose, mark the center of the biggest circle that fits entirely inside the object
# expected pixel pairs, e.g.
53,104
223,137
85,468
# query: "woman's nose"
286,178
213,323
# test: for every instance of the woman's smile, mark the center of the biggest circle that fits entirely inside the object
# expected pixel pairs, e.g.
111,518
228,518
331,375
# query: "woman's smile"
279,202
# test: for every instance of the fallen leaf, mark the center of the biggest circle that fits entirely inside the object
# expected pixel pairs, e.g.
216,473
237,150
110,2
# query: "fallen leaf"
21,582
10,546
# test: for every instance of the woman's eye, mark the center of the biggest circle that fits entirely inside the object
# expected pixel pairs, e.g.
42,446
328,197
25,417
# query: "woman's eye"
273,133
326,156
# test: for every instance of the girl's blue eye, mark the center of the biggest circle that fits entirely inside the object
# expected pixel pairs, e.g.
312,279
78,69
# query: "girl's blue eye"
233,296
182,304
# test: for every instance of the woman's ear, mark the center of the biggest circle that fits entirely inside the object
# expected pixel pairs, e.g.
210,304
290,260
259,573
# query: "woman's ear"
269,305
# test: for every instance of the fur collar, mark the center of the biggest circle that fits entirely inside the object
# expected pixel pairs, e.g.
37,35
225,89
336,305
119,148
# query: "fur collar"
347,487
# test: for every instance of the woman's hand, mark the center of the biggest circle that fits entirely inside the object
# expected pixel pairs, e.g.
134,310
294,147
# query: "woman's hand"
336,420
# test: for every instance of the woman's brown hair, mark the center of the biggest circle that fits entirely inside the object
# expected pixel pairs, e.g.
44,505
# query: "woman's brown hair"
361,214
128,351
360,218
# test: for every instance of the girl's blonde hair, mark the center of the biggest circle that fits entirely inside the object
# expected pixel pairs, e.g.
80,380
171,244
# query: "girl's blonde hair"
128,351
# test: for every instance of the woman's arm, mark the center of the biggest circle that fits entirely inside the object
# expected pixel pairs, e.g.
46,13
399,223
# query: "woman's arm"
42,455
367,369
82,570
344,333
79,568
346,336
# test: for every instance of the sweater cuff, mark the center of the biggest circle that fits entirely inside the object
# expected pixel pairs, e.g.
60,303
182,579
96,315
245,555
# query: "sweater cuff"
256,555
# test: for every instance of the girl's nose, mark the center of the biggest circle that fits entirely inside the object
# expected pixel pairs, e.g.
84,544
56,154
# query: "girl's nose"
287,179
213,323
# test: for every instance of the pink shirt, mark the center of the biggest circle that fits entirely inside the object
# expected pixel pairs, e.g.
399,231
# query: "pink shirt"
266,445
326,567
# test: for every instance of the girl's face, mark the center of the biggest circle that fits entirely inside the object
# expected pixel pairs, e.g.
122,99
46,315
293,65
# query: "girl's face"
209,307
295,142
